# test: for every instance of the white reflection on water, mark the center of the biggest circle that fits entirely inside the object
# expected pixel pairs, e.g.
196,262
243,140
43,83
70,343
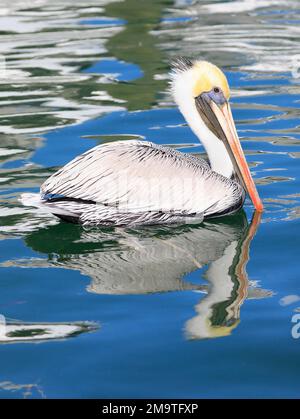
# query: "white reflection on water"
26,390
44,47
256,35
15,331
239,6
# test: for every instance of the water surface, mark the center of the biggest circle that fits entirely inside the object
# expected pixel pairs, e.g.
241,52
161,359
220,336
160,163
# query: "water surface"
156,312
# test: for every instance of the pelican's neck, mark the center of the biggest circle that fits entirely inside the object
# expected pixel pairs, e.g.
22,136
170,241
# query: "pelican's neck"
219,159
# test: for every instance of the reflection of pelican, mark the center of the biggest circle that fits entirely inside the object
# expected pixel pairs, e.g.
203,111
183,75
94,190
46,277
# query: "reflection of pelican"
155,260
219,312
14,331
136,182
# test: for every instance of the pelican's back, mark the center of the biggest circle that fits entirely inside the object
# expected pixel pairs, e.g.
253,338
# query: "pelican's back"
137,182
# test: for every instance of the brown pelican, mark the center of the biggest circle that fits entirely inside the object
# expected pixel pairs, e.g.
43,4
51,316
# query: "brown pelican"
139,182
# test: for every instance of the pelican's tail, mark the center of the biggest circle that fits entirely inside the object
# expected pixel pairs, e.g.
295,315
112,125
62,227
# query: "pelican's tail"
31,200
59,209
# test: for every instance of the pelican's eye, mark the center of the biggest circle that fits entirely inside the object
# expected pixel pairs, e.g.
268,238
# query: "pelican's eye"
216,94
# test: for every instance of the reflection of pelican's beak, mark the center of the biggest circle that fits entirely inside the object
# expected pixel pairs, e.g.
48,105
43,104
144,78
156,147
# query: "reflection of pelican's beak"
218,119
218,314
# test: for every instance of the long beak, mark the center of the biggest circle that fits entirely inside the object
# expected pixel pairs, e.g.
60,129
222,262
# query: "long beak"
219,120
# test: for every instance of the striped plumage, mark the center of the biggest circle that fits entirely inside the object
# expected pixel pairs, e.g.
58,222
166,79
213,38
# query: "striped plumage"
138,182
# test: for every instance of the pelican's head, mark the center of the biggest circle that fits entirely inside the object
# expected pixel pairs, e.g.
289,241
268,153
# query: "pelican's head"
202,93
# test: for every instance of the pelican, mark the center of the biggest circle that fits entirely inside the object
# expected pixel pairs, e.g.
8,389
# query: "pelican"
128,183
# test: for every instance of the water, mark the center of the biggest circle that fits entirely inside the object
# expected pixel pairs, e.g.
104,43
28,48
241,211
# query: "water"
159,312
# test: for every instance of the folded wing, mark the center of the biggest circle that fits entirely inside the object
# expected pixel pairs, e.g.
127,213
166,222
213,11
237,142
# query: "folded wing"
139,176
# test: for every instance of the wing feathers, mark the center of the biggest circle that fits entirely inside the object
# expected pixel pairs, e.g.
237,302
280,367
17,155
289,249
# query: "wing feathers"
137,176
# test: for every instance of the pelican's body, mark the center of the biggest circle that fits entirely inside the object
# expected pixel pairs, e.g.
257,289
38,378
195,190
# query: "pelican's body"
138,182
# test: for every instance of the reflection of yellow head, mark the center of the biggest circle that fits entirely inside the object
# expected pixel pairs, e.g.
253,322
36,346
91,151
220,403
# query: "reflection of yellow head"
200,327
207,76
220,331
